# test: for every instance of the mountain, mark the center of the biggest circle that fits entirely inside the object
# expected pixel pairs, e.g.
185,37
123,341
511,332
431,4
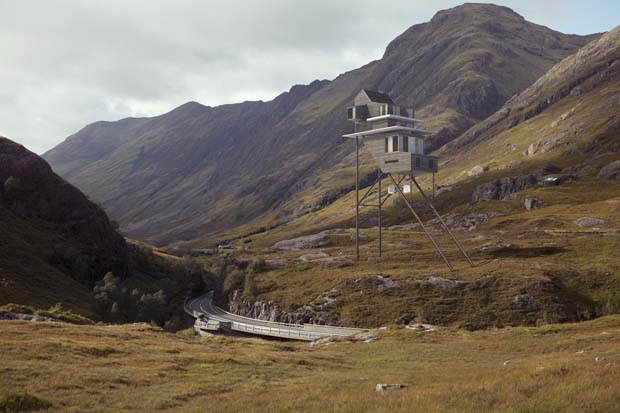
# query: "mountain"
200,171
55,242
569,116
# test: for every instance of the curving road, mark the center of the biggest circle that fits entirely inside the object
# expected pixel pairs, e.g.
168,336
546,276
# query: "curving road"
211,317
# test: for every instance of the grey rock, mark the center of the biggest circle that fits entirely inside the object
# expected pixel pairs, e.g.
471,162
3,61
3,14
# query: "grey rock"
589,222
403,227
277,263
492,245
300,243
9,315
446,188
313,257
476,170
507,187
532,203
504,188
525,302
610,171
384,387
383,283
313,241
423,328
440,282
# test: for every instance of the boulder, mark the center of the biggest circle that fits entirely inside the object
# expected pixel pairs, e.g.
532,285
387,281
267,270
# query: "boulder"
589,222
384,387
422,328
440,282
313,257
504,188
9,315
532,203
525,302
305,242
283,262
610,171
476,170
507,187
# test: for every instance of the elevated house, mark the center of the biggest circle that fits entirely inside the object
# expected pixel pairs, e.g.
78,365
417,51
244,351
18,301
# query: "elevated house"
390,134
396,144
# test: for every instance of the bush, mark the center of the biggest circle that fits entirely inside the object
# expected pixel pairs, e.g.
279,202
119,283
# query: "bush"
249,286
11,187
58,312
233,280
258,266
22,402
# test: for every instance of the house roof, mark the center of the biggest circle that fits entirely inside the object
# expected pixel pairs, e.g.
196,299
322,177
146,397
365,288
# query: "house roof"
378,97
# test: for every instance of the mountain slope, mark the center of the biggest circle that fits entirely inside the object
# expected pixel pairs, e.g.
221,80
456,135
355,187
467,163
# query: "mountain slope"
198,170
55,242
569,115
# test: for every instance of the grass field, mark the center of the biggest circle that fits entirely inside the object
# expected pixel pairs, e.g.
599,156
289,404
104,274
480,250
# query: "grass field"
123,368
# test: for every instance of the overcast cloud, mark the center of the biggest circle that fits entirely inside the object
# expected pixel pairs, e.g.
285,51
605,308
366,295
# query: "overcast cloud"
67,63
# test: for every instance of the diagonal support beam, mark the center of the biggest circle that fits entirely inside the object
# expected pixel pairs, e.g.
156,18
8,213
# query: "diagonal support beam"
442,222
371,187
428,234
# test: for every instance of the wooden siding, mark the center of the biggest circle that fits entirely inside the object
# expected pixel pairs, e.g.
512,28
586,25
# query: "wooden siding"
399,162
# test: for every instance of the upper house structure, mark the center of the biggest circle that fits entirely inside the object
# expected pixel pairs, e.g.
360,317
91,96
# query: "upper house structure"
390,133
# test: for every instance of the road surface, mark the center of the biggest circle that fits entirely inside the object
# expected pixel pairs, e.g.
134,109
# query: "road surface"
214,318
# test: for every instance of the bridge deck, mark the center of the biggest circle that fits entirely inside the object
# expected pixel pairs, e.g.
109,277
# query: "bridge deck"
217,318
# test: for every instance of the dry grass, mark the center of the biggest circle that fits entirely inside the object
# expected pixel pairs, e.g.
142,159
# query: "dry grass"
139,368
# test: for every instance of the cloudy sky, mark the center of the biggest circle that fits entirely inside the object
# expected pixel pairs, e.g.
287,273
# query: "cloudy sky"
67,63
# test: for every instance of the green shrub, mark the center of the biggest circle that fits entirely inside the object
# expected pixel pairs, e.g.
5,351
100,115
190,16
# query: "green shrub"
58,312
258,266
11,187
249,286
187,332
22,402
233,280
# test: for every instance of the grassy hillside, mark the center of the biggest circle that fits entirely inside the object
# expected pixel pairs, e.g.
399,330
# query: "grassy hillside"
568,368
57,246
26,273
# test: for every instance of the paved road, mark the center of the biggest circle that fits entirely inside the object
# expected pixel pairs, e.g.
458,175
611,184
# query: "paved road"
218,317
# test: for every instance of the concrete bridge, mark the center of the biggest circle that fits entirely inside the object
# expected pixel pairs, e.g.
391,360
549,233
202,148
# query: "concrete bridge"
209,317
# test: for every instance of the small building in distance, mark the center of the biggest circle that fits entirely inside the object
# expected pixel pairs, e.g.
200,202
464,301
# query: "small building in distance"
390,134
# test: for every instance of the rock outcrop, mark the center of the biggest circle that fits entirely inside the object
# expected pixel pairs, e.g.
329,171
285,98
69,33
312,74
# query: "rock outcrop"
507,188
610,171
313,313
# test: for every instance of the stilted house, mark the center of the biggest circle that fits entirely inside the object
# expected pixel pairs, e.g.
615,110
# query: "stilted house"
397,146
390,134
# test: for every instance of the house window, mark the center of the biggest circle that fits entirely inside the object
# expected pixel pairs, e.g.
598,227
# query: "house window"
394,143
387,145
349,113
431,164
417,162
405,143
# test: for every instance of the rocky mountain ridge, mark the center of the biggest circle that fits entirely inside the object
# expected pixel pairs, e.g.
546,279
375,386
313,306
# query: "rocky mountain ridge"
196,171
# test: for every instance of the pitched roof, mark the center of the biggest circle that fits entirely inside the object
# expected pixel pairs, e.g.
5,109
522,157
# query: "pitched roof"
378,96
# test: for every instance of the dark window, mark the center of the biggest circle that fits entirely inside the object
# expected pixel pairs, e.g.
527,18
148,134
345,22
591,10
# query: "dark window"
431,164
417,162
349,113
405,144
394,143
386,145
